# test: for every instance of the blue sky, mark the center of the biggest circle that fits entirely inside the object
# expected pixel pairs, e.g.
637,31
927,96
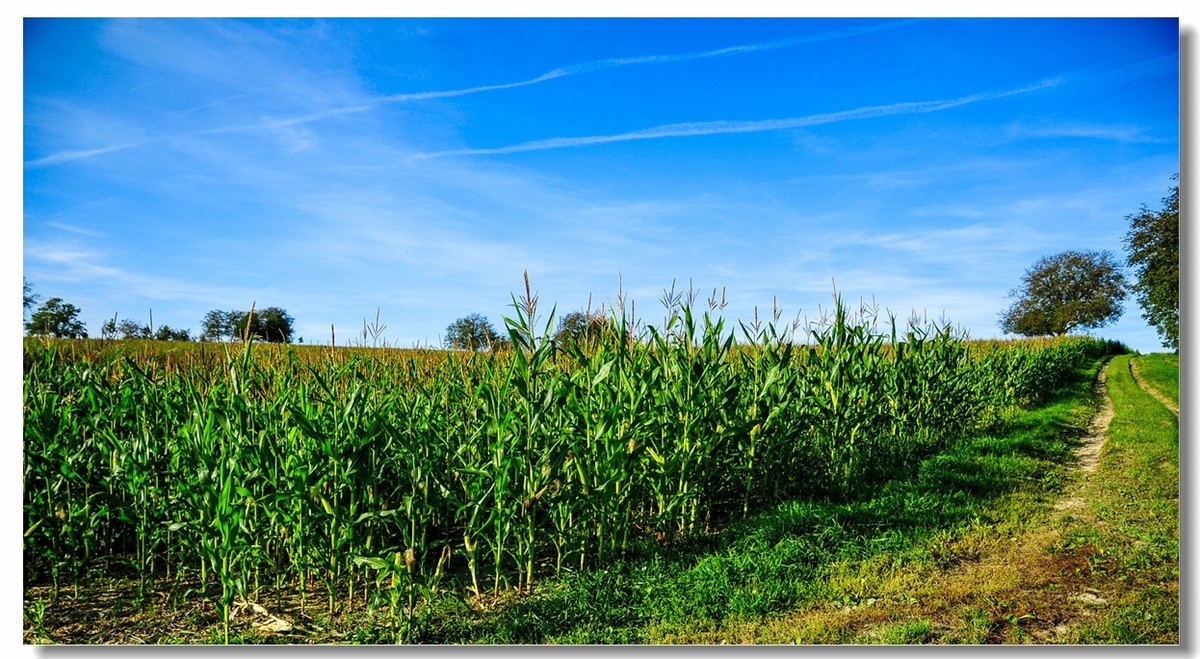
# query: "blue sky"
418,167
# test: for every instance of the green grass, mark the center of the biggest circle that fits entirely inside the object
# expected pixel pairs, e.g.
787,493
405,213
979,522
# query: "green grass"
1131,530
1160,370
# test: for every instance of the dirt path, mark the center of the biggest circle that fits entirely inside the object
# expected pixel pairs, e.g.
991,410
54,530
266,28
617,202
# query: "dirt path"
1058,602
1145,386
1088,452
1047,594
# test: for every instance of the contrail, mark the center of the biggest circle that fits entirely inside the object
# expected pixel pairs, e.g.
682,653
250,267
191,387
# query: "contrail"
600,65
421,96
563,72
727,127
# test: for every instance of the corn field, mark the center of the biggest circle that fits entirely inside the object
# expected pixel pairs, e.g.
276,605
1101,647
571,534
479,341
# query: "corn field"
382,478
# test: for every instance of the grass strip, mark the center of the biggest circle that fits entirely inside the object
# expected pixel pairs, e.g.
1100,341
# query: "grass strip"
1159,372
1130,531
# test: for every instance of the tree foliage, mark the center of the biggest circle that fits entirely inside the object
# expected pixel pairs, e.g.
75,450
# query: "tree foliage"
57,318
473,332
1152,245
166,333
217,325
271,324
132,329
31,298
579,327
1066,292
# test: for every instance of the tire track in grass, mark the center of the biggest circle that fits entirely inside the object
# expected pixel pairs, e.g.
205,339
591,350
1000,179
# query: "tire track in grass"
1148,388
1091,444
1109,521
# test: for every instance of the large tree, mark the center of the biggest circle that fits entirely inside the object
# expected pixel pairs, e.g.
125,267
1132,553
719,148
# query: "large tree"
472,332
1069,291
57,318
1153,248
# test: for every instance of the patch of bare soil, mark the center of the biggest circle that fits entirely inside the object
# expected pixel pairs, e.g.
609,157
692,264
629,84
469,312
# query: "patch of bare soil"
113,613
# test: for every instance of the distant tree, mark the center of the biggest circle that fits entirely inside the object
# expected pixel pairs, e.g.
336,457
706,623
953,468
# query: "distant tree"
31,298
165,333
472,332
132,329
1153,248
237,324
219,325
57,318
579,326
274,325
271,324
216,326
1065,292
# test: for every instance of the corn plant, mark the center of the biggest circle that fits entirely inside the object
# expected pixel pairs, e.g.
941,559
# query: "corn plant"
366,470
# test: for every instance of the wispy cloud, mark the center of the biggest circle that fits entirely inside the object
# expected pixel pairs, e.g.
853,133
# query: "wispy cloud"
68,263
1111,132
693,129
74,229
67,156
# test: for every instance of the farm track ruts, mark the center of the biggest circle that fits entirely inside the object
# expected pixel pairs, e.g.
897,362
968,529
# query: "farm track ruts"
1146,387
1068,606
1091,444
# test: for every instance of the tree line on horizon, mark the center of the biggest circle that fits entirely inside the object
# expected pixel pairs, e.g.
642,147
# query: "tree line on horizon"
60,319
1062,293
